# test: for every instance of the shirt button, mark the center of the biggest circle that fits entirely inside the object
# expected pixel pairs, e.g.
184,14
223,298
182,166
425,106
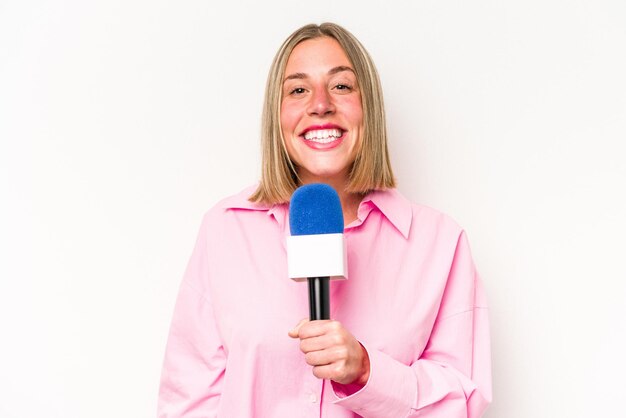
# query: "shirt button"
312,398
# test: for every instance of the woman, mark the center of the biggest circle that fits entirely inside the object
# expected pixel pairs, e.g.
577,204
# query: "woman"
409,335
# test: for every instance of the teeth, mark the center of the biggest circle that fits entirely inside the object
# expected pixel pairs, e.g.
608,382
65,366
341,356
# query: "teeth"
323,136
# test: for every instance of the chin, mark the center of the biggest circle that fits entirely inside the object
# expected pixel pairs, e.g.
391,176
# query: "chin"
324,175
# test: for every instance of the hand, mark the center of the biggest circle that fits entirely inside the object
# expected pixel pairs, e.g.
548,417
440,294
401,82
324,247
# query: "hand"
333,352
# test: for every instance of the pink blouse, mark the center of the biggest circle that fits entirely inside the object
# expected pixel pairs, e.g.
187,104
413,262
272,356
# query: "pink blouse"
413,299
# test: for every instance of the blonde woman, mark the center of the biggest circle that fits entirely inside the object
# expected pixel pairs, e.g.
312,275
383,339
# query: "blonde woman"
409,334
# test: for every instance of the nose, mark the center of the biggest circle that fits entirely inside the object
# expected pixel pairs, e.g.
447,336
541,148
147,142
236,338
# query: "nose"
321,103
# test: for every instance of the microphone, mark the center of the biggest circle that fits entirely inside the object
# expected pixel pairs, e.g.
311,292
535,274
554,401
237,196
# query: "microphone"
316,249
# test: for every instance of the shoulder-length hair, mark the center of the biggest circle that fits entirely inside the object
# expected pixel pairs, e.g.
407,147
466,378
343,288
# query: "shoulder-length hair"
371,169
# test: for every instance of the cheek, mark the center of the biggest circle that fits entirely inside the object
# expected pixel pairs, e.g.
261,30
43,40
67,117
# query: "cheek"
287,126
288,119
356,111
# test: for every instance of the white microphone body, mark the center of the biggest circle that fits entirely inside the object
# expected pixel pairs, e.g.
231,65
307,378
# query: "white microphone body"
318,255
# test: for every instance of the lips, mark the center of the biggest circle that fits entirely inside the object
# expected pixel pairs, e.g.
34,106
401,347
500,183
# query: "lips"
323,136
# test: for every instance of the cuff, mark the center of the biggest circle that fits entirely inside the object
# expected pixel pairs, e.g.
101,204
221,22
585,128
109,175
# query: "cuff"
391,389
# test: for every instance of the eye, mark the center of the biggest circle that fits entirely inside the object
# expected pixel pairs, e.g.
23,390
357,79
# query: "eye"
297,90
343,87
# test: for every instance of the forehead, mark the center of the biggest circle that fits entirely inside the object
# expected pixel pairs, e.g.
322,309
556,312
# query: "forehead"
316,55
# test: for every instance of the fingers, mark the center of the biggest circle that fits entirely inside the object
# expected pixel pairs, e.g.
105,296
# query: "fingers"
319,327
322,342
332,351
320,335
308,329
333,372
332,364
295,332
314,343
323,357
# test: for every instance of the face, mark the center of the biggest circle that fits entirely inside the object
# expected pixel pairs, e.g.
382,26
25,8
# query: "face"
321,114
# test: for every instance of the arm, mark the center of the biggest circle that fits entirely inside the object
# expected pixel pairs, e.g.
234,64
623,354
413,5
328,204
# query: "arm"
452,377
195,359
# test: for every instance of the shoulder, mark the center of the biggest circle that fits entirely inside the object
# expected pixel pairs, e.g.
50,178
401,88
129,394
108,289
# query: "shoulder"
239,200
415,220
237,209
425,216
439,232
236,201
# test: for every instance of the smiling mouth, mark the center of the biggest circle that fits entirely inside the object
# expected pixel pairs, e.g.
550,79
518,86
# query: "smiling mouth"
323,136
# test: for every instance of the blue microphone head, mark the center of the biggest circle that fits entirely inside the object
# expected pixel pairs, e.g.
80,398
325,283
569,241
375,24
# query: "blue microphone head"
315,209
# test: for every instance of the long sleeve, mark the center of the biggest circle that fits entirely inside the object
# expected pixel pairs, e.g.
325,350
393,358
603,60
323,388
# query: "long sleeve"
452,377
413,299
194,364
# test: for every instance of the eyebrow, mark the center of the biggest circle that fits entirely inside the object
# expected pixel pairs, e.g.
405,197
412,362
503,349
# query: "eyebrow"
332,71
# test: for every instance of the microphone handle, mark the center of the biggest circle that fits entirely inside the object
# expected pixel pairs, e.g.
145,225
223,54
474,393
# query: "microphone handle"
319,301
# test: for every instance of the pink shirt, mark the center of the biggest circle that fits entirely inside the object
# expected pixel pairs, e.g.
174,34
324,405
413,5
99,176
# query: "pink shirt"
413,299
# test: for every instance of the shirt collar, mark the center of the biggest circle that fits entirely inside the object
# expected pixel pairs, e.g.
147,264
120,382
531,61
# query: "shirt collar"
395,207
240,201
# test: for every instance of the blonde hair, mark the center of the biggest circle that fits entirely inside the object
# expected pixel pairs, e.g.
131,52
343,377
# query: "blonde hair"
371,169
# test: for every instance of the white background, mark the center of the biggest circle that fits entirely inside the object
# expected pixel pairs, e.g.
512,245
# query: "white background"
121,122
